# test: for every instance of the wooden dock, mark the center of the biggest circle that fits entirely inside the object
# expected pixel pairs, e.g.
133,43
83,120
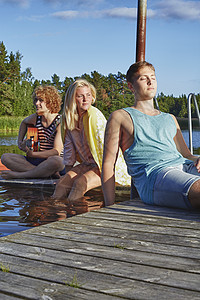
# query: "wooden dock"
125,251
40,182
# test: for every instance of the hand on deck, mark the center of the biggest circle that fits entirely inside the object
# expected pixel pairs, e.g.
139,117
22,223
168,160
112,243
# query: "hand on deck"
197,164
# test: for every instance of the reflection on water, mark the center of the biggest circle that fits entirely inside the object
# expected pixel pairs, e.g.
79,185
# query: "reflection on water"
21,208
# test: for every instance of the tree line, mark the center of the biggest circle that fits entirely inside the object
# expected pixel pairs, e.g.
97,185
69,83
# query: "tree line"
16,88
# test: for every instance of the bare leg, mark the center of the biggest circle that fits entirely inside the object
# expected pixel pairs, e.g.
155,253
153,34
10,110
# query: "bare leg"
194,195
87,181
64,185
16,162
77,182
45,169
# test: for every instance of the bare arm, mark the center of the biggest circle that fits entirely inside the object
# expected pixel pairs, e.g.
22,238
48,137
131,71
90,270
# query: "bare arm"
30,120
111,148
182,147
58,144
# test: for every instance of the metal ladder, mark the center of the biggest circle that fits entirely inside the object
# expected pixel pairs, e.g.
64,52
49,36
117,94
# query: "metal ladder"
190,97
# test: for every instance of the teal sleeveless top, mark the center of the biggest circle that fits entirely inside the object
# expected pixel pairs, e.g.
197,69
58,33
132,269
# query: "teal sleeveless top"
152,150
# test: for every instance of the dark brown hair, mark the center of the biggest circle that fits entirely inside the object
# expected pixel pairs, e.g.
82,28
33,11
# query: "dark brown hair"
134,68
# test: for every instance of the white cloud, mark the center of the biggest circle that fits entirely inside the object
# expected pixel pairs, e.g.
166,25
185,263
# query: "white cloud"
118,12
170,9
68,14
121,12
125,12
179,9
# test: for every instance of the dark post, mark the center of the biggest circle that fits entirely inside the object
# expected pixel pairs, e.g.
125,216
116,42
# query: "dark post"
141,30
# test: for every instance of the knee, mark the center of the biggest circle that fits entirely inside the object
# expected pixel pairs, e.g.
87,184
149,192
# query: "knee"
5,157
56,162
80,184
194,195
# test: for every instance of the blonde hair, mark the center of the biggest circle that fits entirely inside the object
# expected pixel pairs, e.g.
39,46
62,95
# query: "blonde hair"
70,112
50,95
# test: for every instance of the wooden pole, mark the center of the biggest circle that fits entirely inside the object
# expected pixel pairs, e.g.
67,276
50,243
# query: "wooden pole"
141,30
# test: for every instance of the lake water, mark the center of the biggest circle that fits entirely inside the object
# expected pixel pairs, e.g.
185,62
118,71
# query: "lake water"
8,140
22,208
195,138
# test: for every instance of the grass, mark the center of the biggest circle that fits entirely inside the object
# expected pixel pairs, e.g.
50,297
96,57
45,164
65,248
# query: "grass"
10,123
119,246
74,283
4,268
10,149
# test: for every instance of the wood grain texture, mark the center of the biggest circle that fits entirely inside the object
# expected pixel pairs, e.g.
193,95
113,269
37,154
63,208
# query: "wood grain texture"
126,251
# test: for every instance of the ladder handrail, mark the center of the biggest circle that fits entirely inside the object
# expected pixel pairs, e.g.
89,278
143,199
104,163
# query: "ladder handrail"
190,97
156,103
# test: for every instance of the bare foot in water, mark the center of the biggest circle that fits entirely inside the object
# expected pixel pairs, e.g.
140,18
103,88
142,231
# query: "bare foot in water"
58,196
60,193
10,174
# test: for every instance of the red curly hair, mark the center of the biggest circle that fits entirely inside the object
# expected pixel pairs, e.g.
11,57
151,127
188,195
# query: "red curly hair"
50,95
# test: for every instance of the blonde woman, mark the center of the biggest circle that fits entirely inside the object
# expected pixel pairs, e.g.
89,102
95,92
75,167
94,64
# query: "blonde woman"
83,127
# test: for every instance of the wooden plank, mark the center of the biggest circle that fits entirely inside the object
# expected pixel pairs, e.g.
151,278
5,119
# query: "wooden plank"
137,205
133,216
26,287
45,273
152,247
127,250
120,229
31,183
103,251
133,224
108,266
128,241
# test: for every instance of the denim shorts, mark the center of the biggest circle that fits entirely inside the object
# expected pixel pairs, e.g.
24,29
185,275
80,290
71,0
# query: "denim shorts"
172,186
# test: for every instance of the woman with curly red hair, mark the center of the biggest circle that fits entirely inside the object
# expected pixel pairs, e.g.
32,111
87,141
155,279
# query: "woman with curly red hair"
46,161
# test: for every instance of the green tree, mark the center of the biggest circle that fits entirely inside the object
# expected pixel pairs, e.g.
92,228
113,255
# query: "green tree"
14,66
27,75
4,73
57,83
6,93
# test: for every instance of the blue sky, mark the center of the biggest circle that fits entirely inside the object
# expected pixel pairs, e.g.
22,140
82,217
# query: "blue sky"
73,37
